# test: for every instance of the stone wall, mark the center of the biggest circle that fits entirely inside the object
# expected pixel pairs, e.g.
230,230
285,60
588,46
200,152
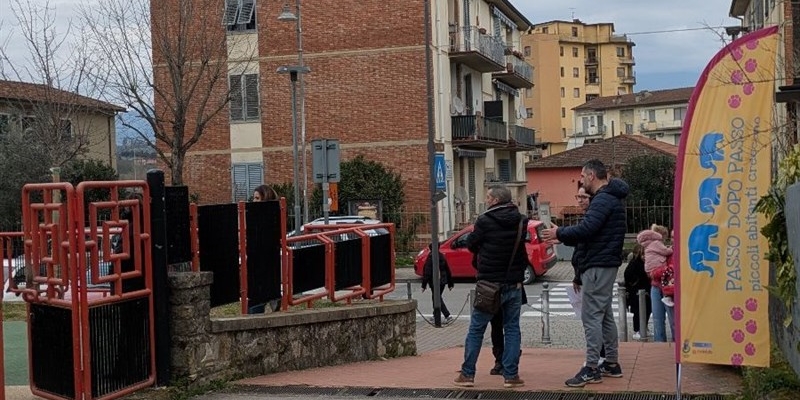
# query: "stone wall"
203,349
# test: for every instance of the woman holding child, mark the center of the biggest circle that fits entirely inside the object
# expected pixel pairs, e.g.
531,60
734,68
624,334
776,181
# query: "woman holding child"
658,265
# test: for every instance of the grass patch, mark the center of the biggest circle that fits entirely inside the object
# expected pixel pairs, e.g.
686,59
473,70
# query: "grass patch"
404,261
777,382
15,311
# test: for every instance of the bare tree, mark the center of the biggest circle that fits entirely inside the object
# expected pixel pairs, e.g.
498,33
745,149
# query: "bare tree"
167,62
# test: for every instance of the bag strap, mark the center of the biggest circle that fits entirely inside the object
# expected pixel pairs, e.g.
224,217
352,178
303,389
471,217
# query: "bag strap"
516,245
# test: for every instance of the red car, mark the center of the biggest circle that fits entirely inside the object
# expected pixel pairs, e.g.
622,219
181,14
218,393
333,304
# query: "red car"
542,256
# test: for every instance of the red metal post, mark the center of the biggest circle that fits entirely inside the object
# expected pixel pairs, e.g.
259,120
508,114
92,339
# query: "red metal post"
242,256
194,240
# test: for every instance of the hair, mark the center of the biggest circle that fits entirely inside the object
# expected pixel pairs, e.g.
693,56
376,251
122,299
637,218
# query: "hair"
638,250
597,167
500,192
661,230
266,192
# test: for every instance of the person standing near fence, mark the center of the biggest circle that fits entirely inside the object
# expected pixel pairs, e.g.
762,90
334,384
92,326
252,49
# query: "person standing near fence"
264,193
602,230
445,279
636,279
494,241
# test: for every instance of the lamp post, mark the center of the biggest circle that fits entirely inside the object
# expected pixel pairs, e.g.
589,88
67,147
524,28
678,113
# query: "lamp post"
287,16
294,71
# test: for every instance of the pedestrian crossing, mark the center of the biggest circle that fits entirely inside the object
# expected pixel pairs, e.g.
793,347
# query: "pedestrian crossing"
559,303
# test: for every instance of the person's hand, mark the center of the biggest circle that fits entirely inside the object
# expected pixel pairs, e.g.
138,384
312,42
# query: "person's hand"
577,287
549,234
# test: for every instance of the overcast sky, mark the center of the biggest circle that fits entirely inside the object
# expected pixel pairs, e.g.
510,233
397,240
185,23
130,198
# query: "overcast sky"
663,60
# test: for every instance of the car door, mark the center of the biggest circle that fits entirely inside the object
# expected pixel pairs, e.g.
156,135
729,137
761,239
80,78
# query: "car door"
459,258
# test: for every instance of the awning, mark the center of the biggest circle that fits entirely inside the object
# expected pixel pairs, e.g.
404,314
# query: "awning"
470,153
503,18
506,88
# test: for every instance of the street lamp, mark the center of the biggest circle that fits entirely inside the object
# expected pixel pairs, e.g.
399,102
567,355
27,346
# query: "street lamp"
294,71
287,15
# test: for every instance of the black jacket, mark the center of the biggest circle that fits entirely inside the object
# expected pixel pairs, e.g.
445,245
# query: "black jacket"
578,258
635,276
493,241
602,229
445,277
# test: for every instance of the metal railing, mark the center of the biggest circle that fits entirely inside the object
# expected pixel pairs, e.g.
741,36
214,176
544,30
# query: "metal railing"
520,67
469,38
522,135
478,128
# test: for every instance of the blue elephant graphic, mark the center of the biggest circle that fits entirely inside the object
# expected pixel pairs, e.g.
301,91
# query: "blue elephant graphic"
708,194
710,150
701,250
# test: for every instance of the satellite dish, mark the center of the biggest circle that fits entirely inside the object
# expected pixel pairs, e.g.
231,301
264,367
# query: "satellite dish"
456,106
522,113
460,195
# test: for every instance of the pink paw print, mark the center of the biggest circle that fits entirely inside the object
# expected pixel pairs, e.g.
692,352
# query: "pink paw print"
737,53
737,359
734,101
752,45
750,349
737,76
737,335
751,304
751,65
737,313
750,326
749,88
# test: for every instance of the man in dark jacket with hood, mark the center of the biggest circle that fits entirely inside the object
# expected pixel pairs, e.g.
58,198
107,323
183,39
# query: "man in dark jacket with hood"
602,233
493,241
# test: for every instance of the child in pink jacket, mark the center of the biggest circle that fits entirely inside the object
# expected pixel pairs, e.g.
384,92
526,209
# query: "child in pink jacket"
656,255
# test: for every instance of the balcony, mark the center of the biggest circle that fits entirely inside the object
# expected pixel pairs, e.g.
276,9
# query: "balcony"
477,50
590,131
627,60
621,39
521,138
590,61
476,131
518,73
660,125
593,80
630,80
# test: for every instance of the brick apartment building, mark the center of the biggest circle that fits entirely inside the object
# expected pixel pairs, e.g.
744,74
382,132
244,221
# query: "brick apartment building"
368,88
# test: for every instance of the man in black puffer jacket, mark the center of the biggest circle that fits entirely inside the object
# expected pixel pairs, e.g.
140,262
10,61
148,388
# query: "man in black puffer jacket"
601,233
493,240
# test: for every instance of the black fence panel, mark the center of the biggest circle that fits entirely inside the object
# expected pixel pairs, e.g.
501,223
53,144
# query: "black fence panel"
176,205
218,237
309,267
380,260
348,261
263,221
119,334
51,347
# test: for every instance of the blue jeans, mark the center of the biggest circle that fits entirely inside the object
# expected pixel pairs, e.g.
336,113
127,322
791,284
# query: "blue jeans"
510,306
660,311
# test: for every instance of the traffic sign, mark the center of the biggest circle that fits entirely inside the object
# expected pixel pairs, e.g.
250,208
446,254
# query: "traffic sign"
440,171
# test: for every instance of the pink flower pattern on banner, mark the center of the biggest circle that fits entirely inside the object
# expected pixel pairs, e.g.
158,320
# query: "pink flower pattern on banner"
737,313
734,101
737,77
751,65
737,359
748,89
737,53
750,349
737,335
752,45
751,304
751,327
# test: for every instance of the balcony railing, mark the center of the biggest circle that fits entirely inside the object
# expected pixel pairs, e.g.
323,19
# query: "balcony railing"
518,73
478,50
593,80
476,131
590,61
660,125
522,138
627,60
631,80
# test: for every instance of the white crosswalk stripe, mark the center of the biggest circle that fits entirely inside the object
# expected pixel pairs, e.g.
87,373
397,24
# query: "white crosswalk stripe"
559,303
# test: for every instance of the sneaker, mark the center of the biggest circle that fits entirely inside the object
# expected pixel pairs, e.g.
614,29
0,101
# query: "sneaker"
584,376
513,382
637,336
497,370
668,301
449,319
464,381
609,369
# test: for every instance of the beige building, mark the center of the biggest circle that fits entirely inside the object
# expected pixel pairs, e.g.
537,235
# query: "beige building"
574,63
658,114
83,124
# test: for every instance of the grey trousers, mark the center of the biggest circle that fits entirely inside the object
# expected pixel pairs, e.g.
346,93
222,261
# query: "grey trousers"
597,316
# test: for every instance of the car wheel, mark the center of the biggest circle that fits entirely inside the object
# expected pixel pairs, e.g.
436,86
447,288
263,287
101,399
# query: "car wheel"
529,276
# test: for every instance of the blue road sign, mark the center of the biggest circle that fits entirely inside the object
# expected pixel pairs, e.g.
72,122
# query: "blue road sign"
440,170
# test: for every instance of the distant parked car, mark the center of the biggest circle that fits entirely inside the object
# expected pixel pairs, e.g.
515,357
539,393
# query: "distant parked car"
541,255
342,219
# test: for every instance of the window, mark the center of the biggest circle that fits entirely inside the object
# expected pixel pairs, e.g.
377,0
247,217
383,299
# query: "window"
620,52
651,115
504,169
576,93
576,73
575,52
590,97
563,132
562,72
591,76
621,72
246,178
528,92
65,129
544,30
244,97
679,113
574,31
239,15
563,112
529,112
561,51
628,128
563,93
527,51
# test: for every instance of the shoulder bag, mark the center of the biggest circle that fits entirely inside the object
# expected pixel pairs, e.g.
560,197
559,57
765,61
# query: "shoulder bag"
487,294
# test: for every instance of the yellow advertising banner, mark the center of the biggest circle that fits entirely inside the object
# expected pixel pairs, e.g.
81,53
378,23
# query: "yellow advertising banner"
723,169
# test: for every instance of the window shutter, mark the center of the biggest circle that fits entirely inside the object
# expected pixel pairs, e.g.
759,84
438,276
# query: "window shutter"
255,176
240,189
251,96
504,170
65,129
236,98
231,11
246,12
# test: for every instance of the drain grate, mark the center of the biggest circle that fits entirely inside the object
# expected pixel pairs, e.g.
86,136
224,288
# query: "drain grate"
413,393
576,396
630,396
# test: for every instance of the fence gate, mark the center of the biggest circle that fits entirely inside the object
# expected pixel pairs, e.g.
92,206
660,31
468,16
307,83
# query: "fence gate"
88,289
